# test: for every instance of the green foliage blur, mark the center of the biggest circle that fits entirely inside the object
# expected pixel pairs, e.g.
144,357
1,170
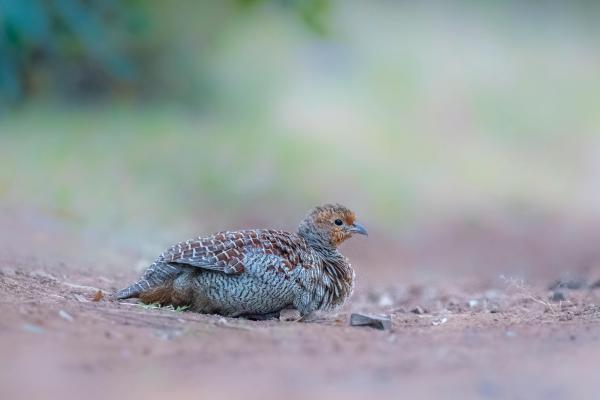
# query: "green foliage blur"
94,49
200,115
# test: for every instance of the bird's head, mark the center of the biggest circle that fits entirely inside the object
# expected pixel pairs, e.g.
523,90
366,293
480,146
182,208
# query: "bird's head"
330,224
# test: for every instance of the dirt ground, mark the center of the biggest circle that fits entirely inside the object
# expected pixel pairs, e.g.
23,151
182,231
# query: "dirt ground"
473,309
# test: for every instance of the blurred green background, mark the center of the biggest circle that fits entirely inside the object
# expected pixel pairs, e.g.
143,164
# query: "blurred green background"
130,116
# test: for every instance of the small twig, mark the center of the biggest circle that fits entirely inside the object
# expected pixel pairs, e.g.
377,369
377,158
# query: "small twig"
527,292
81,287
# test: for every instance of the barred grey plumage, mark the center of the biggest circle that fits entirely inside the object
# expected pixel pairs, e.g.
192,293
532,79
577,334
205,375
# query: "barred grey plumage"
256,272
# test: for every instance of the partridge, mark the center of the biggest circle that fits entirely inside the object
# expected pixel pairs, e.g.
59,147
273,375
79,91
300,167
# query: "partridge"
256,273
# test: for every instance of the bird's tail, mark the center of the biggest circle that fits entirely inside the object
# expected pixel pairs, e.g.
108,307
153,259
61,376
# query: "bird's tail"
133,290
157,274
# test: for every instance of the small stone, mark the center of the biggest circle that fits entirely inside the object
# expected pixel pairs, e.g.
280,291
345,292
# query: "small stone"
377,322
65,315
595,285
31,328
572,284
417,310
440,321
557,296
473,303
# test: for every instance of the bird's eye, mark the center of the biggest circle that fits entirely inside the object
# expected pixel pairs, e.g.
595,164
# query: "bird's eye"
338,222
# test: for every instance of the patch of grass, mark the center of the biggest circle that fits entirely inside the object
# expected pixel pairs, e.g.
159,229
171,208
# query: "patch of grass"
158,306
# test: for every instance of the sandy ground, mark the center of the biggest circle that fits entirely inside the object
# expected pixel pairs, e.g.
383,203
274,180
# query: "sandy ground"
471,309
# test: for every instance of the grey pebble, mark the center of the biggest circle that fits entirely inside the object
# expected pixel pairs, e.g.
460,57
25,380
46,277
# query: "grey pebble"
33,328
557,295
418,310
377,322
65,315
572,284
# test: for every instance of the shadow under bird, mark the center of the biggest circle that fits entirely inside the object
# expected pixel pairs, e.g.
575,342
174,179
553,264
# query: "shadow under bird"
256,273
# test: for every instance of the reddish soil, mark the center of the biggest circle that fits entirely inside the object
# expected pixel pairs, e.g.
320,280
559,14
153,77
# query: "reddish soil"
476,334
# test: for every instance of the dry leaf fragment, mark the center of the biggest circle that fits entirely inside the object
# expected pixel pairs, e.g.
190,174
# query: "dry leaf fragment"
98,296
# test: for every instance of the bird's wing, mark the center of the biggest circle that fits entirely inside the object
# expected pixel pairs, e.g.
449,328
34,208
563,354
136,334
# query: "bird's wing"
226,251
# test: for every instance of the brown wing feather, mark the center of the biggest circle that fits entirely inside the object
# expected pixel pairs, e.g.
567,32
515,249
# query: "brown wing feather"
224,251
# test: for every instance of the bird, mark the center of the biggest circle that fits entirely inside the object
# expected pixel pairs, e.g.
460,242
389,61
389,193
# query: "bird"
256,273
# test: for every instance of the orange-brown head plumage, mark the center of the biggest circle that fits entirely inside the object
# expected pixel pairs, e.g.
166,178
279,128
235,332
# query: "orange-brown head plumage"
330,224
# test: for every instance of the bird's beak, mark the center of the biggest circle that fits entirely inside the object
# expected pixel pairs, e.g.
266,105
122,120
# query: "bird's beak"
358,228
